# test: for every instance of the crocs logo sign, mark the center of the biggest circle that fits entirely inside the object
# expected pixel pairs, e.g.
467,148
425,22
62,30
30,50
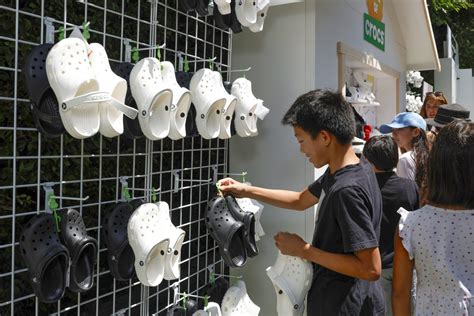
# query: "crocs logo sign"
374,29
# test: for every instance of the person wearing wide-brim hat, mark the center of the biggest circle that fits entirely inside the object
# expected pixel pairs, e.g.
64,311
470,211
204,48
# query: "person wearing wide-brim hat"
448,113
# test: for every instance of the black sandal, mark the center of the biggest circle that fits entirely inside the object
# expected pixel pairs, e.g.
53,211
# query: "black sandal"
44,104
120,255
248,219
45,257
227,232
82,249
131,127
222,21
236,27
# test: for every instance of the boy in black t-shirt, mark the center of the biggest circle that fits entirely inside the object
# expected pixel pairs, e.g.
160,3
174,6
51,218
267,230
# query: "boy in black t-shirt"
382,153
344,249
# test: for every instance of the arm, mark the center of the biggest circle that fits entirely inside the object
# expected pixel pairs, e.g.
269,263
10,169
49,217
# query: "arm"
364,264
280,198
402,279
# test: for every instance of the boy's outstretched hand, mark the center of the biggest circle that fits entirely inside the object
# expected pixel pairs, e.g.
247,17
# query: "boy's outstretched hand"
290,244
232,187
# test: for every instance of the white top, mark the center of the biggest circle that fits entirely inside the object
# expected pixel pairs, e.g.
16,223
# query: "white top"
406,167
441,242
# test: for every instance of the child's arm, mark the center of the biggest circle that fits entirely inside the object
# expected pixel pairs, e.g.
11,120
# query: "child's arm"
402,279
280,198
363,264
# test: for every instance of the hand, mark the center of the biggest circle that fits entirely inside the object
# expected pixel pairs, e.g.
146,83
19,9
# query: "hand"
290,244
232,187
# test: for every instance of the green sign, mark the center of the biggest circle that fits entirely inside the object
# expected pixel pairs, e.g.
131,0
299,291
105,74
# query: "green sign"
374,32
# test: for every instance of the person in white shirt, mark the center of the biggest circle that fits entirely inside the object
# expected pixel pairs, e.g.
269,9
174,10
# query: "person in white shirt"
409,132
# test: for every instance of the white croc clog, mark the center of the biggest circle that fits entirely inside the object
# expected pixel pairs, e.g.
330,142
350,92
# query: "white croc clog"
176,237
212,309
112,111
223,6
228,110
181,102
236,302
73,81
246,12
153,98
261,111
245,117
149,243
209,104
291,278
262,6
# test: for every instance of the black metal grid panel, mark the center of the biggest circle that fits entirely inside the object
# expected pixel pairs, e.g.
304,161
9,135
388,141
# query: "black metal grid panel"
94,166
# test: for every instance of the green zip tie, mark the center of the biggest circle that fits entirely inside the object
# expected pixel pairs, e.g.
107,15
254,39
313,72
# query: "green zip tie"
61,34
186,64
212,278
185,298
153,195
135,54
206,301
85,31
158,53
126,193
53,205
211,65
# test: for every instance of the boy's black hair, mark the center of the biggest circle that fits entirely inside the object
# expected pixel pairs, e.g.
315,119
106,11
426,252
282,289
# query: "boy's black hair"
382,152
451,167
322,110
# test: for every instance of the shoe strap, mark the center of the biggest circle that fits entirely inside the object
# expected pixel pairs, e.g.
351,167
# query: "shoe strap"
91,97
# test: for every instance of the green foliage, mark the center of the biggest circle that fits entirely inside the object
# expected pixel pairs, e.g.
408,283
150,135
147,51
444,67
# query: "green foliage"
459,15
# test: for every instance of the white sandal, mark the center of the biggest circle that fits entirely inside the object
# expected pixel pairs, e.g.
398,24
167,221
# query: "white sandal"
73,81
176,237
262,6
152,97
112,111
246,12
236,302
149,243
245,117
208,103
181,102
228,110
292,278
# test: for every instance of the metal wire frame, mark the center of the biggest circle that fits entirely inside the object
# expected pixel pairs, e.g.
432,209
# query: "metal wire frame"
149,167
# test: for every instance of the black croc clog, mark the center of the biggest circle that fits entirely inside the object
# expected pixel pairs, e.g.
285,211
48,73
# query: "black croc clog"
82,250
248,218
44,105
45,257
227,232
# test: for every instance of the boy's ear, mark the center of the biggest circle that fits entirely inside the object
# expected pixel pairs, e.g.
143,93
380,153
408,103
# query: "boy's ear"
326,137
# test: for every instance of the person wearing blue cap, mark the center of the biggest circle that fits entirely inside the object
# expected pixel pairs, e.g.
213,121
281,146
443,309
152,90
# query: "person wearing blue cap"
409,132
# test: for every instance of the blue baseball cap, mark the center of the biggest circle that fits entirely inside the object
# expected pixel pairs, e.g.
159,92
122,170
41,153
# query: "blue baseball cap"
404,119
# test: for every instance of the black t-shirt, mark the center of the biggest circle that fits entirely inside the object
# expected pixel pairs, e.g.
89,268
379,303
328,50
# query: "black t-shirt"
348,220
396,192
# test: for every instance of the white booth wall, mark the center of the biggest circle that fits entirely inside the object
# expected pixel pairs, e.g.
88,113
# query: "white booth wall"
296,53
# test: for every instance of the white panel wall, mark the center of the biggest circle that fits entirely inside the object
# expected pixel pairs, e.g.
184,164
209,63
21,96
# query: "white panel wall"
282,60
465,93
445,80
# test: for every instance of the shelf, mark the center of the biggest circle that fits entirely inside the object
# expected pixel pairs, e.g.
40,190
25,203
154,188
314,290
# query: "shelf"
364,103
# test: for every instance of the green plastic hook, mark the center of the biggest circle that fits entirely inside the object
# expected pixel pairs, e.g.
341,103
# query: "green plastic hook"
186,64
211,65
85,30
153,195
243,176
135,54
61,34
158,53
53,205
126,193
185,299
206,301
212,278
